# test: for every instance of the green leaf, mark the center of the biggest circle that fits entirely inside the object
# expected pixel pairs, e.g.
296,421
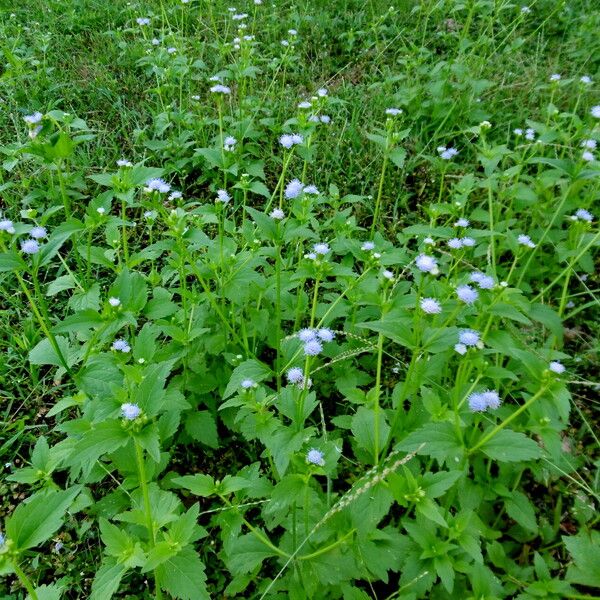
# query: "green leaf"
438,439
159,554
130,288
511,446
103,438
35,521
199,485
107,580
43,353
47,592
150,394
201,426
10,261
363,428
249,369
430,510
583,547
100,375
183,576
246,553
519,507
398,156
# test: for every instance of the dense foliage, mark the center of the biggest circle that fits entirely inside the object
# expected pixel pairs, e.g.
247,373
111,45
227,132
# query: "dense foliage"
298,300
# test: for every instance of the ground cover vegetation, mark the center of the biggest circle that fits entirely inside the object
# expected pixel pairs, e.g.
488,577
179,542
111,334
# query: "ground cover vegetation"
299,299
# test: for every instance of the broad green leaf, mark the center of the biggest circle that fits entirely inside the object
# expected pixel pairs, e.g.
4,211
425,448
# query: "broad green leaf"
107,580
519,507
585,569
47,592
511,446
439,440
249,369
44,353
202,427
364,428
103,438
35,521
183,576
246,553
199,485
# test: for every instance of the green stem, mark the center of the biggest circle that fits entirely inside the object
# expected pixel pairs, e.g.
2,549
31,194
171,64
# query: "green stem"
326,549
25,581
141,465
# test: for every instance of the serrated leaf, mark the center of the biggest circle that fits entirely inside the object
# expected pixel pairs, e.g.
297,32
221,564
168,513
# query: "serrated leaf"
364,427
511,446
107,580
583,547
35,521
519,507
199,485
183,576
201,427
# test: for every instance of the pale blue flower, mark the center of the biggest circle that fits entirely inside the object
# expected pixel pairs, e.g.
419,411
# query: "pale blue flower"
304,105
530,134
306,335
462,223
477,402
315,457
222,196
430,306
122,162
454,243
485,282
325,334
130,411
426,263
143,21
158,185
467,294
556,367
30,246
311,189
34,118
297,138
7,225
595,111
491,398
589,144
313,347
114,301
468,337
277,214
2,539
220,89
585,79
247,383
37,233
121,346
468,242
325,119
286,141
321,248
525,240
584,215
295,375
293,189
393,112
368,246
460,348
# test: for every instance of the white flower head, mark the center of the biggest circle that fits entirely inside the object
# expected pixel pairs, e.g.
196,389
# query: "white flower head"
467,294
220,89
556,367
427,264
222,196
393,112
430,306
